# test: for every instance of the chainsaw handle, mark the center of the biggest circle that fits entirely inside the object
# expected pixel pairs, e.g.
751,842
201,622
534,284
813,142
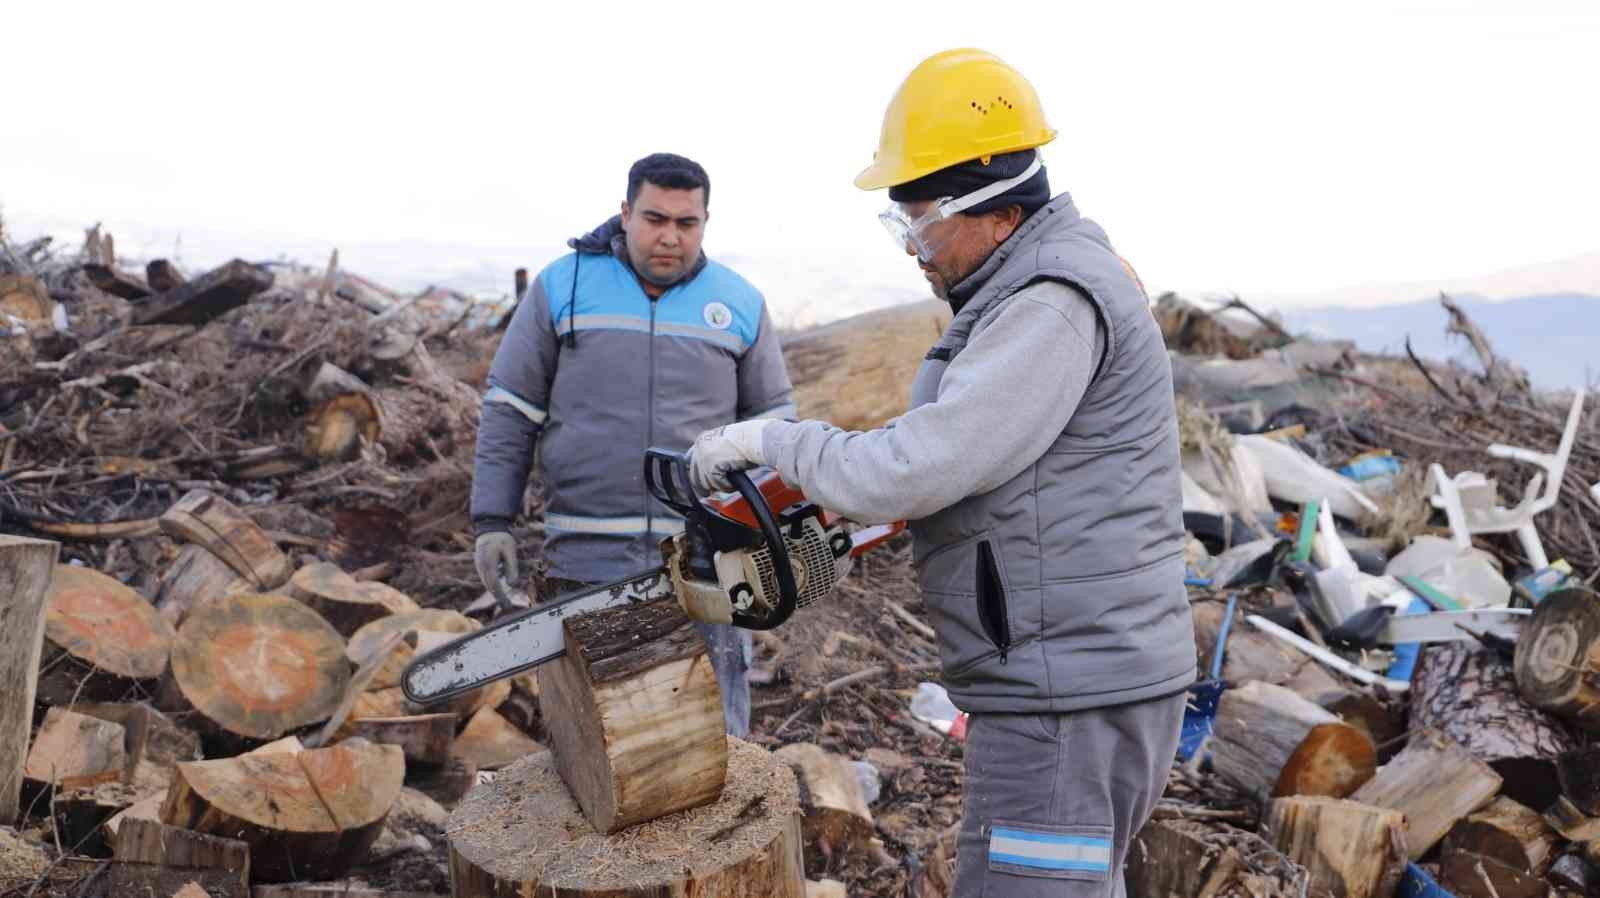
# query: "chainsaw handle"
664,472
788,592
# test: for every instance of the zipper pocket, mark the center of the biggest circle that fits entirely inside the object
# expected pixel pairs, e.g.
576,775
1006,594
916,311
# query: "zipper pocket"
991,598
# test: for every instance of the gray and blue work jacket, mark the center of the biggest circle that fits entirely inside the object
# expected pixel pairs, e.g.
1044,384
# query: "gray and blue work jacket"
592,371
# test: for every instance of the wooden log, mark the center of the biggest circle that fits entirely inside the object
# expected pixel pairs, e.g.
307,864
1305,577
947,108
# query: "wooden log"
747,842
207,297
1434,783
1191,859
1349,849
109,279
432,626
150,881
259,666
1558,655
835,816
1470,695
306,815
1468,875
195,577
76,746
1270,742
856,373
337,596
634,715
218,525
108,630
356,685
1572,823
1507,832
337,426
151,735
491,742
162,275
424,738
1384,723
26,566
1250,654
152,842
147,808
1578,772
23,297
332,890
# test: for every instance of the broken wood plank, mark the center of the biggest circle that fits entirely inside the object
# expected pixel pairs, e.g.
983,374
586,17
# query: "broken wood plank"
26,566
107,278
211,521
209,296
1434,782
75,746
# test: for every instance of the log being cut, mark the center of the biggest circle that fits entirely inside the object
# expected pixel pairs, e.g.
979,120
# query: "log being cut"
745,843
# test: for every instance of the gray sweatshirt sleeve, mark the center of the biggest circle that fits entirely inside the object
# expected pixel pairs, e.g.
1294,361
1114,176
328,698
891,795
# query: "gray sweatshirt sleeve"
764,388
1002,402
513,412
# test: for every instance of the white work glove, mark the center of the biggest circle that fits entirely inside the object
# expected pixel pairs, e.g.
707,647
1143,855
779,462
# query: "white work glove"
732,447
493,551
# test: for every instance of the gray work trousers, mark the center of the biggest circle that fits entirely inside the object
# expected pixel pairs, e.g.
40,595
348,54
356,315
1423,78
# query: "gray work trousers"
729,648
1052,800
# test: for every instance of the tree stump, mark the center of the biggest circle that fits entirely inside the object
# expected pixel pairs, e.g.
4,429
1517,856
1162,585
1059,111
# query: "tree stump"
1558,657
634,714
745,843
1350,850
113,640
1470,695
258,666
306,815
1271,742
26,566
1434,782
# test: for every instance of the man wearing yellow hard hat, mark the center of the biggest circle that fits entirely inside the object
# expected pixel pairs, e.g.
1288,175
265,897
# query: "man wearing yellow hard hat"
1039,469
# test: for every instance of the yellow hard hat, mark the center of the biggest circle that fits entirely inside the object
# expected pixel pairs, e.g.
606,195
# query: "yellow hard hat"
954,107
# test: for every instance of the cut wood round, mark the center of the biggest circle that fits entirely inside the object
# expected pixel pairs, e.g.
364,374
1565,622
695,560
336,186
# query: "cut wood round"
434,626
634,715
337,596
1261,743
1507,832
1349,849
336,428
260,665
194,578
306,815
834,811
209,520
1558,655
1470,695
103,640
745,843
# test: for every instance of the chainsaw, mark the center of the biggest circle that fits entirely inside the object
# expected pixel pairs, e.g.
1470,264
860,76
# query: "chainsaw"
750,560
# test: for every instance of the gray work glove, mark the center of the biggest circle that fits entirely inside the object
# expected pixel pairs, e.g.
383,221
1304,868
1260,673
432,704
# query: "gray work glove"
493,552
734,447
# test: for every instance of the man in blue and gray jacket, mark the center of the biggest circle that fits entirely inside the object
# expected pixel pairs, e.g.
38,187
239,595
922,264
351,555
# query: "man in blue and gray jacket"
635,339
1038,468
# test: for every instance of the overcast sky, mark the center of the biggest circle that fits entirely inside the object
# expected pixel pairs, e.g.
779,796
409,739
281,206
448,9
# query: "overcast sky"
1263,146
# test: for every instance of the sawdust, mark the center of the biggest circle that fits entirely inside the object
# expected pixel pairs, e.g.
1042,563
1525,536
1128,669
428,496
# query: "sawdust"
527,827
20,860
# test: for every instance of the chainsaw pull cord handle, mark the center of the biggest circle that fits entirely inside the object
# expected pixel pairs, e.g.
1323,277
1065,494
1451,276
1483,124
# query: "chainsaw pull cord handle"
788,592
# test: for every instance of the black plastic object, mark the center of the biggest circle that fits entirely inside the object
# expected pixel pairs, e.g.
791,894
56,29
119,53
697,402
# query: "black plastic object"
1360,630
666,476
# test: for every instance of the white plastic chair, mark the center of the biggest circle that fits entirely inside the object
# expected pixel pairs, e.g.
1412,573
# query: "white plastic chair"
1468,499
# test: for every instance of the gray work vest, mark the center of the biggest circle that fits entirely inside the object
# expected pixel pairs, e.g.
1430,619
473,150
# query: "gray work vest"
1063,588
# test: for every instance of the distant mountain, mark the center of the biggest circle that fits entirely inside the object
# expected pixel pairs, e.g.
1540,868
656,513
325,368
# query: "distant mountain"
1574,274
1555,337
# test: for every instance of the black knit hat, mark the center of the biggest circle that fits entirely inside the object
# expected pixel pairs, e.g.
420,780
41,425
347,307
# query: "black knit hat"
964,178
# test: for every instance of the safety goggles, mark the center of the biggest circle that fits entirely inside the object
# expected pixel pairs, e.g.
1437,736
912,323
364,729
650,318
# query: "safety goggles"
919,232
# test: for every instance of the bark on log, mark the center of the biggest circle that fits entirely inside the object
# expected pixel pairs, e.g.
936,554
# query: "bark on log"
1434,783
326,589
745,843
194,578
306,815
1350,850
1507,832
1558,657
491,742
153,842
26,566
114,640
835,813
259,666
1271,742
207,297
635,715
211,521
424,738
1470,695
857,373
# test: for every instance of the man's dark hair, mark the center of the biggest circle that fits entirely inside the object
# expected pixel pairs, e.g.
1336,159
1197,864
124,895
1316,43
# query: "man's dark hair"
668,170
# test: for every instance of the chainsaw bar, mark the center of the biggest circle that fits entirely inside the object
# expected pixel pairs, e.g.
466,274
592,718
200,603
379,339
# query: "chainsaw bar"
1453,626
520,642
